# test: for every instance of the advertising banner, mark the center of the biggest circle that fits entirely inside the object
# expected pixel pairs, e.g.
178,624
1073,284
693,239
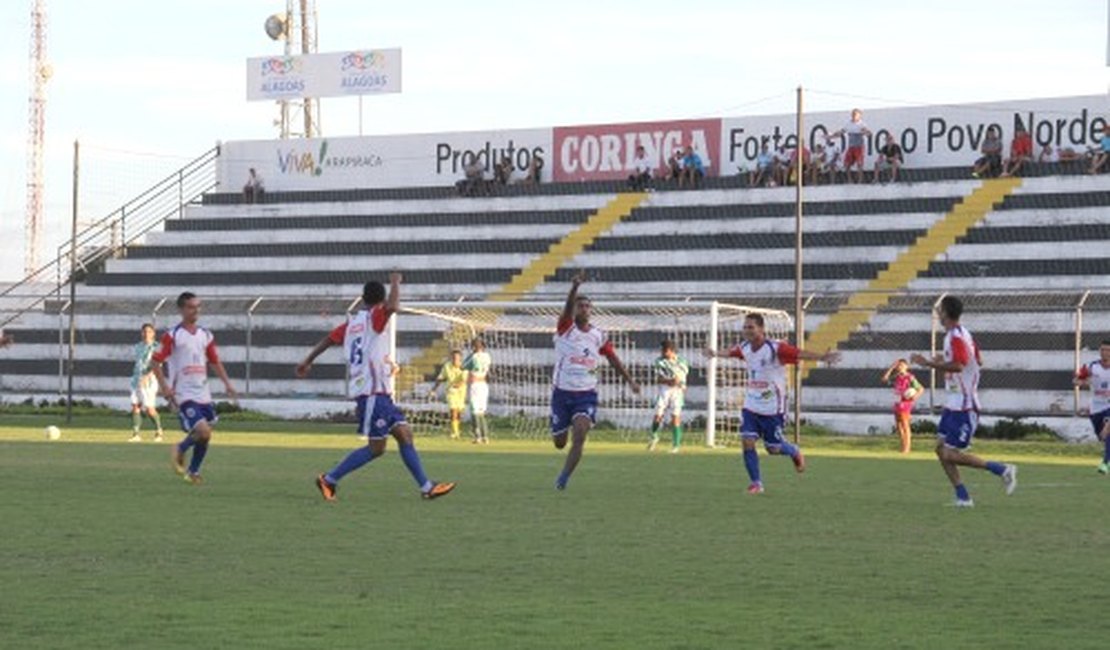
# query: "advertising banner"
607,151
330,74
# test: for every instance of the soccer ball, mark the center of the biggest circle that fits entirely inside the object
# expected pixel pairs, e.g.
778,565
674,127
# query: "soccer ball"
908,394
53,432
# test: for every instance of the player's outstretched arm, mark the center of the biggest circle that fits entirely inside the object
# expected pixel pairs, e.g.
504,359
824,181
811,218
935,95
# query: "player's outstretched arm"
937,363
306,364
393,301
829,357
616,362
568,308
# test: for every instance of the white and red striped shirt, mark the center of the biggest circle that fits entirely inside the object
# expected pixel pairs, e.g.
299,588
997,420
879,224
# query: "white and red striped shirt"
962,387
1098,378
187,351
578,353
366,339
766,390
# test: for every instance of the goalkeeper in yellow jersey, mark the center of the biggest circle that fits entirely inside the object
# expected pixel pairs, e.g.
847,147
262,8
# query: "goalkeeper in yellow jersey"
455,376
670,374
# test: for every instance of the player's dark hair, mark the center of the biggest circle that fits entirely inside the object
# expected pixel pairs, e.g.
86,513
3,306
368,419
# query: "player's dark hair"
456,351
755,318
479,343
582,298
373,292
1105,341
667,344
952,307
185,297
147,326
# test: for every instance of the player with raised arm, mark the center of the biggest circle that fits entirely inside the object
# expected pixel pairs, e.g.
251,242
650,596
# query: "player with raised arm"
1096,376
187,351
670,374
579,347
477,365
455,376
764,413
961,363
365,338
144,386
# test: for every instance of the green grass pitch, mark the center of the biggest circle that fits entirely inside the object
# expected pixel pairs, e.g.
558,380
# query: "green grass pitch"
101,546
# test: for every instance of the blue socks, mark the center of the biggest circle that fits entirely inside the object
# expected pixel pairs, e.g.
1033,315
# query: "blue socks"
751,463
788,449
995,468
961,493
561,482
353,461
199,452
412,461
1106,451
185,444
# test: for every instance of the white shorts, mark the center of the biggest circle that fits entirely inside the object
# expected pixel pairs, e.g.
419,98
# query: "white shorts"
479,397
672,400
145,396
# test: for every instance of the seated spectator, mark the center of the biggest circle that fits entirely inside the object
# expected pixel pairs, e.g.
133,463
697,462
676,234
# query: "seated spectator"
1102,154
254,189
503,171
794,168
890,157
764,167
535,171
817,160
674,166
1021,152
474,179
781,159
831,163
641,171
990,163
692,168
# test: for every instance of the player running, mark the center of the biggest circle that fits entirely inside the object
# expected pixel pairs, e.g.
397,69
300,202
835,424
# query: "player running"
365,339
188,350
1096,376
670,373
960,364
579,347
478,366
764,413
144,386
455,376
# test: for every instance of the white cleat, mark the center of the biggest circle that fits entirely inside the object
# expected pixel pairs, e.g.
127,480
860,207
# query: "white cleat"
1009,479
135,438
964,503
674,450
158,437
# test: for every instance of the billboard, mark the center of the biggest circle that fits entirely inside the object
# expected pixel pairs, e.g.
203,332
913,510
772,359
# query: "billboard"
330,74
607,151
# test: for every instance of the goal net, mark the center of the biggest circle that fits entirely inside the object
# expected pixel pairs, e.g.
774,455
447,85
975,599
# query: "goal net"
518,337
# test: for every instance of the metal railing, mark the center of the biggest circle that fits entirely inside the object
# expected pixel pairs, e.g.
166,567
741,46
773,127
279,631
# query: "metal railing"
110,236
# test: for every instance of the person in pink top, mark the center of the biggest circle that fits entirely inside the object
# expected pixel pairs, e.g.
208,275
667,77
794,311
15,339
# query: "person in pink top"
907,391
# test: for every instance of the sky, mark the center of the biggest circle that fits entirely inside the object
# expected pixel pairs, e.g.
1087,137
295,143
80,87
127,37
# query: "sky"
146,86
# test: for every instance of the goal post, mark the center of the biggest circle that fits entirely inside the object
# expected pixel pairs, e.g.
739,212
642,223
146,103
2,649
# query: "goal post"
519,338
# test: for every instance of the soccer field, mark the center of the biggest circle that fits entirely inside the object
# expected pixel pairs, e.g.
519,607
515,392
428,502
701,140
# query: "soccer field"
103,547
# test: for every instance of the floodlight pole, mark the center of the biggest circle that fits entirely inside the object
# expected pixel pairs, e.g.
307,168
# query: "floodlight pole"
72,285
799,311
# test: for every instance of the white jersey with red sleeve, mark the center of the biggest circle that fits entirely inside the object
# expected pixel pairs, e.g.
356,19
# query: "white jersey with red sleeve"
766,390
187,352
962,388
1098,378
578,353
366,340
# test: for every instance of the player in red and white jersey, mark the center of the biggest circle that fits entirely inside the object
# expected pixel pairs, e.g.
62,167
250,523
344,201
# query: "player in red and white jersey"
960,363
579,348
1096,376
764,413
187,351
365,338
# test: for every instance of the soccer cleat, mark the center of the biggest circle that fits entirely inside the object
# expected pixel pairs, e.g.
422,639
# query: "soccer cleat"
135,438
438,490
755,488
674,450
327,490
964,503
1104,468
799,462
193,479
1009,479
158,437
177,460
560,484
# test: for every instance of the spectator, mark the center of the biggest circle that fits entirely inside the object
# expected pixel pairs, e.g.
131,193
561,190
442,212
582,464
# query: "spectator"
641,171
1021,152
782,163
813,168
764,167
674,166
503,171
254,189
692,168
856,131
831,163
890,157
794,168
535,171
990,163
1102,153
474,179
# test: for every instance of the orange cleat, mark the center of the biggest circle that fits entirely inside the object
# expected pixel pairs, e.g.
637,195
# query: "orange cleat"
799,462
439,490
327,490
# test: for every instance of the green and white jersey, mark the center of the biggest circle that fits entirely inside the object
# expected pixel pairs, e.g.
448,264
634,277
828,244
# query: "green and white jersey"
143,367
676,368
478,363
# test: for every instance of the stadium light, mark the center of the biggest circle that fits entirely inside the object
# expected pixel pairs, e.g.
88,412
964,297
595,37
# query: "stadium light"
276,27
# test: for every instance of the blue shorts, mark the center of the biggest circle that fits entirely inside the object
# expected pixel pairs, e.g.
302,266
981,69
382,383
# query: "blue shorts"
567,405
377,415
193,413
956,428
1098,421
768,427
